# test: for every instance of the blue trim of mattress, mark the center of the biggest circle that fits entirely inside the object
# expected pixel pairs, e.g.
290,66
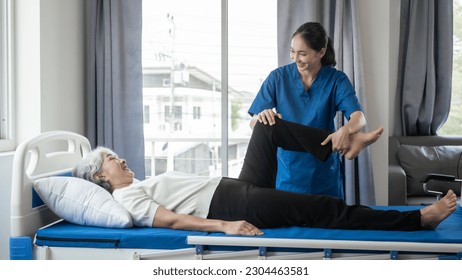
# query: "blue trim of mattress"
64,234
36,200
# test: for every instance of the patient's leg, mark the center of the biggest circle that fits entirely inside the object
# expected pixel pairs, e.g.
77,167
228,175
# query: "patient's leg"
260,161
434,214
361,140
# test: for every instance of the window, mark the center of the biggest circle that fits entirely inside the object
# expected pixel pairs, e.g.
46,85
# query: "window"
196,112
185,67
6,122
453,125
146,114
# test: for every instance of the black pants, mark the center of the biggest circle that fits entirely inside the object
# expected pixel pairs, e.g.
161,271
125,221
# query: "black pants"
253,197
260,161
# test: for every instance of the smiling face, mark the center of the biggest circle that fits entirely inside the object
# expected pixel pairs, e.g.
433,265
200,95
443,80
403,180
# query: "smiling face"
116,172
305,57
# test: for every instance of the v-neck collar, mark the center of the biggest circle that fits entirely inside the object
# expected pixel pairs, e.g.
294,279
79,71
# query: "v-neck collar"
305,95
297,77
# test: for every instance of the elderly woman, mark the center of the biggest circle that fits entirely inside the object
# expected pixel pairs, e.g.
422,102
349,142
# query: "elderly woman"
243,206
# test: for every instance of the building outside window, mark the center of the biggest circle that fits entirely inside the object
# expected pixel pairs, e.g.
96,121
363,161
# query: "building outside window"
196,112
146,114
182,69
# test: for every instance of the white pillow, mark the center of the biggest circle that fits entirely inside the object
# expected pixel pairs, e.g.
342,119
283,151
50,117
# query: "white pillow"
82,202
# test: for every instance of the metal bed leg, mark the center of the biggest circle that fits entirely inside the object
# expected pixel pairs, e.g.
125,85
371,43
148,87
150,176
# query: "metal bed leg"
199,252
393,255
136,256
262,252
327,254
42,253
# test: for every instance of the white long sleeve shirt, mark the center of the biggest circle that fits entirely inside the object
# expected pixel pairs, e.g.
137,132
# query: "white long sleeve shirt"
179,192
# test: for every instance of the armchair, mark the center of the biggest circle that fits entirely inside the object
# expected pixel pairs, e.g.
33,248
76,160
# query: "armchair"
411,158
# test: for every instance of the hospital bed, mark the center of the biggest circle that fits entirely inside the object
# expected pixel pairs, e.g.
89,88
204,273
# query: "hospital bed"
39,233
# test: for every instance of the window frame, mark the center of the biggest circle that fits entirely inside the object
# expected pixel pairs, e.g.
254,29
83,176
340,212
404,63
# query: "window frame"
219,115
451,127
6,79
224,88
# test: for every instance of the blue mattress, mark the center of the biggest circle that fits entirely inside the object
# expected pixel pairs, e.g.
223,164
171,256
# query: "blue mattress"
64,234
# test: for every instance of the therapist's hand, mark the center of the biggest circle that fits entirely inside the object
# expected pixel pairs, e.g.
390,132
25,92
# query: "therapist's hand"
340,140
268,116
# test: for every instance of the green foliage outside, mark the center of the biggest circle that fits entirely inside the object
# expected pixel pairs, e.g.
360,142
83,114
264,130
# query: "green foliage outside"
235,117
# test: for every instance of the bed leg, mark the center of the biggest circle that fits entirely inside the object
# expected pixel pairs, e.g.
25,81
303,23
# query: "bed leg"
199,252
393,255
327,254
43,253
136,256
262,252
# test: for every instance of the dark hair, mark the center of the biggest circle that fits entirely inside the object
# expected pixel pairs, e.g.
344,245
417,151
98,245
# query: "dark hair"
315,36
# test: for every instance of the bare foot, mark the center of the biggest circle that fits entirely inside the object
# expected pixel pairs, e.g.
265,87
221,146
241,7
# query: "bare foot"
361,140
434,214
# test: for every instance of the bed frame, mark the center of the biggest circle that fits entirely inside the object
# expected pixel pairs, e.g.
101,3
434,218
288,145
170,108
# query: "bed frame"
37,233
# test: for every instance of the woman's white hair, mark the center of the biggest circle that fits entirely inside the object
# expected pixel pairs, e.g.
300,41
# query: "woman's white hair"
91,165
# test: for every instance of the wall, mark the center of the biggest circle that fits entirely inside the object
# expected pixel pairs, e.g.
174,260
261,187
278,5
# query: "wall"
49,82
6,160
379,34
62,65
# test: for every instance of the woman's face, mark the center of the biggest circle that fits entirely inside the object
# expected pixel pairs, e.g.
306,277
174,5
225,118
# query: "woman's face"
305,57
116,171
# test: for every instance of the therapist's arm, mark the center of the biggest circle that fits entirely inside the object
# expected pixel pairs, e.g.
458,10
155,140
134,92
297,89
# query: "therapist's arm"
168,219
356,122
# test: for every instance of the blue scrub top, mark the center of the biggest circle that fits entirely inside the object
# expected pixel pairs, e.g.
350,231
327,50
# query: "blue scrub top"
329,93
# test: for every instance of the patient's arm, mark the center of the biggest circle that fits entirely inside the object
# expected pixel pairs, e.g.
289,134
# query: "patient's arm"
168,219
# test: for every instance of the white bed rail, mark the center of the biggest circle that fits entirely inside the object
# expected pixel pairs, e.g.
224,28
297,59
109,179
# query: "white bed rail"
50,153
327,245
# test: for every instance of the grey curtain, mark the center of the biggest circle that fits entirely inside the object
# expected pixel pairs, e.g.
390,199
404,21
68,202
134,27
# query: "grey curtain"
425,67
114,101
340,19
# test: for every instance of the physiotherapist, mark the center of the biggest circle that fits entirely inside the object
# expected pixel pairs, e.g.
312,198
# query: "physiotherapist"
310,91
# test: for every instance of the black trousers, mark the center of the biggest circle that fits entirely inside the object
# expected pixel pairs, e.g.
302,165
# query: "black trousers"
260,161
253,197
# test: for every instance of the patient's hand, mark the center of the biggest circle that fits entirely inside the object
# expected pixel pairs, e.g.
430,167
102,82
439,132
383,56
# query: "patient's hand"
241,228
